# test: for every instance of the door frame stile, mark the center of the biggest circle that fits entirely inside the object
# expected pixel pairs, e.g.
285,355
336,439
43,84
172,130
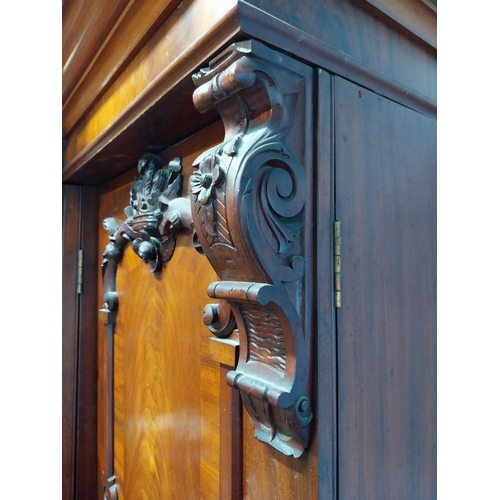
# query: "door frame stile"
325,311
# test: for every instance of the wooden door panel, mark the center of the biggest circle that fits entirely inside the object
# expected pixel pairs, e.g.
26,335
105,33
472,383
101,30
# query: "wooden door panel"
385,200
158,374
162,424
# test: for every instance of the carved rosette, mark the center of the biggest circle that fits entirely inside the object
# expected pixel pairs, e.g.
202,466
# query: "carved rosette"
248,204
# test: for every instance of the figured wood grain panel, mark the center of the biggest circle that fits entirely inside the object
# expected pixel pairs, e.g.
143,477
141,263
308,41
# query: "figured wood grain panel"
167,390
386,200
161,378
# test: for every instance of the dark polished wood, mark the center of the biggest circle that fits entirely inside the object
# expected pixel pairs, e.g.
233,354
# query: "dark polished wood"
348,29
355,50
71,217
386,200
231,446
326,325
79,344
253,221
346,92
349,41
417,16
155,215
86,450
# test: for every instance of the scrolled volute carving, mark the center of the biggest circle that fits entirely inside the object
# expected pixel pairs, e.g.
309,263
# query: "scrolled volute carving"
248,203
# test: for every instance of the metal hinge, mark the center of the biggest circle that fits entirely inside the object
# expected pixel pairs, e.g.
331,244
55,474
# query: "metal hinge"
79,279
337,264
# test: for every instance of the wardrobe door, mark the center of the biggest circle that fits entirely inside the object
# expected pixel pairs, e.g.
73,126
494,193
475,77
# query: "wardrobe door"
159,388
385,160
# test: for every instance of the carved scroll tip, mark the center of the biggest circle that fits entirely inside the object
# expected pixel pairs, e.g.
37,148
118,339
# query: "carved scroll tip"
175,164
149,161
219,319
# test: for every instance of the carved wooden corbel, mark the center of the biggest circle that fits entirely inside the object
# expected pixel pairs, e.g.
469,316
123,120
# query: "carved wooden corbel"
249,209
156,214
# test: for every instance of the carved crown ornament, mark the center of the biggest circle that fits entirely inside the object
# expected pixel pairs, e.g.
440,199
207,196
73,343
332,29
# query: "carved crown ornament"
251,219
155,215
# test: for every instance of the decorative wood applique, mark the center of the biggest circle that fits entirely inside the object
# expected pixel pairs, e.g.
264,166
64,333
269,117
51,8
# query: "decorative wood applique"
251,219
155,216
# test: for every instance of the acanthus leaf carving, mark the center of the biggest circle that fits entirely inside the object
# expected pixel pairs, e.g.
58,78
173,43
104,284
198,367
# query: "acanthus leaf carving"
251,223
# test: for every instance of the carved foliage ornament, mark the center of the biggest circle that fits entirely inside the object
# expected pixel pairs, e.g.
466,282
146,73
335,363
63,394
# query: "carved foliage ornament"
248,202
155,214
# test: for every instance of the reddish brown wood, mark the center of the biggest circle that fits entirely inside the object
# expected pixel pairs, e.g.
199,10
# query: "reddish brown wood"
79,369
326,327
270,475
386,199
253,223
211,433
219,319
129,117
153,131
355,49
155,216
86,440
191,35
148,108
109,35
161,434
231,444
71,227
349,29
85,27
417,16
